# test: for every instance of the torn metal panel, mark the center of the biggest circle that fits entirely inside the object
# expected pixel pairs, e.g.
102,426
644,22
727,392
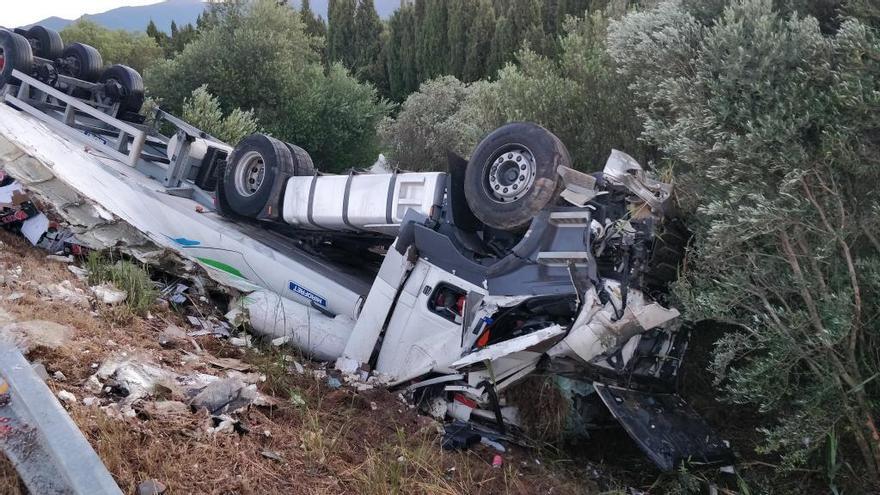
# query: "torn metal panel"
666,429
45,446
625,170
511,346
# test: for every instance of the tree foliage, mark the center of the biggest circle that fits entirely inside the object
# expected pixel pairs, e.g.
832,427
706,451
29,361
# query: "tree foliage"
257,56
578,96
772,124
136,50
202,110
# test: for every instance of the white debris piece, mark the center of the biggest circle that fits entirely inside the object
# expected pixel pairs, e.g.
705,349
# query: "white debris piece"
67,397
108,294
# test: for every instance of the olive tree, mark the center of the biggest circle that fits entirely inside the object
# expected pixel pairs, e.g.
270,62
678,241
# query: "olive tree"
773,128
256,55
202,110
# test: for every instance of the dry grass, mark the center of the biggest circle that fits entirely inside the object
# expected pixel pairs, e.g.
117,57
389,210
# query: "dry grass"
332,442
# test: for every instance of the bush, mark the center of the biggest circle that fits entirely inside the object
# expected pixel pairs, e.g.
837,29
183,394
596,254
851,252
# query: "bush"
203,111
774,127
136,50
427,127
256,55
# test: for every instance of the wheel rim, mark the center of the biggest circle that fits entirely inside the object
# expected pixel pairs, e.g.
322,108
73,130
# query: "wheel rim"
510,174
250,174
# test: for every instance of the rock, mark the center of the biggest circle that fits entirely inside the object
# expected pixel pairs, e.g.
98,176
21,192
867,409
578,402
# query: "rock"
269,454
333,383
110,295
172,336
225,396
37,333
40,370
59,376
67,397
90,401
151,487
15,296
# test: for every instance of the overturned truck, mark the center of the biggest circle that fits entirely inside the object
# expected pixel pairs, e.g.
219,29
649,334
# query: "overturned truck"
454,286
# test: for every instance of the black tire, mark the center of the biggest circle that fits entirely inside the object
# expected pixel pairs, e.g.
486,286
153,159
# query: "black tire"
303,165
16,54
85,62
511,175
247,184
45,42
131,84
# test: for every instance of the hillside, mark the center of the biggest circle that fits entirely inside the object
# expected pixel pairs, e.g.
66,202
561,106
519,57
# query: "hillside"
182,12
137,18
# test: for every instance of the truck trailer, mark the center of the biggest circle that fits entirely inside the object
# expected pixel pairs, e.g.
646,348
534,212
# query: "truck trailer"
451,286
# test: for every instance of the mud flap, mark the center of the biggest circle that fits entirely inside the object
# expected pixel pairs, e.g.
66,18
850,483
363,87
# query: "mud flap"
667,430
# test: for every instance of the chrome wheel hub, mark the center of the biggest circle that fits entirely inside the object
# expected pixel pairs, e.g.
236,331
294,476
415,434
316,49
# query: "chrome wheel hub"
250,174
511,175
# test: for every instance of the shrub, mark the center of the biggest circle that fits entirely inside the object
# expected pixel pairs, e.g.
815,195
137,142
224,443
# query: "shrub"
256,55
203,111
774,127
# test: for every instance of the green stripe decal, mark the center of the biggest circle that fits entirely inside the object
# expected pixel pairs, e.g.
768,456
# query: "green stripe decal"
223,267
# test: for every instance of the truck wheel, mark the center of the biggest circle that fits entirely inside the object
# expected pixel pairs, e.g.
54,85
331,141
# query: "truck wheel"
512,175
251,172
125,85
15,53
82,61
303,165
46,42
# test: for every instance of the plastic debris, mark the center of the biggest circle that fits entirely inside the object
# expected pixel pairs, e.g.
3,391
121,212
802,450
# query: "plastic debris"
333,383
108,294
225,396
497,461
151,487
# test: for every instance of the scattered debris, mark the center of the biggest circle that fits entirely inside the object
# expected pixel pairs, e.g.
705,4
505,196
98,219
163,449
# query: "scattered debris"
275,456
151,487
225,396
208,327
165,408
40,371
67,397
65,291
110,295
172,336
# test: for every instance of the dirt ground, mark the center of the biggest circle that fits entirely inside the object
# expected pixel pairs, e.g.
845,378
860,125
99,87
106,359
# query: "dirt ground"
315,440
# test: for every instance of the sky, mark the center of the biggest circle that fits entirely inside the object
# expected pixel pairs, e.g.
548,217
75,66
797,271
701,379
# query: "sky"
29,11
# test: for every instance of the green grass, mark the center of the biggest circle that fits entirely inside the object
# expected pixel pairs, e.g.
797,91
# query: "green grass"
133,278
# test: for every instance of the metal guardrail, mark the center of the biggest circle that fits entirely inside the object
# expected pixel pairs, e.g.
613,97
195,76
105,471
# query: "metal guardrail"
129,141
48,451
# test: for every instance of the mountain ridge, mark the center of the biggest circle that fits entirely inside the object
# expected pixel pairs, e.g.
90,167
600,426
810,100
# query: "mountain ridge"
180,11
